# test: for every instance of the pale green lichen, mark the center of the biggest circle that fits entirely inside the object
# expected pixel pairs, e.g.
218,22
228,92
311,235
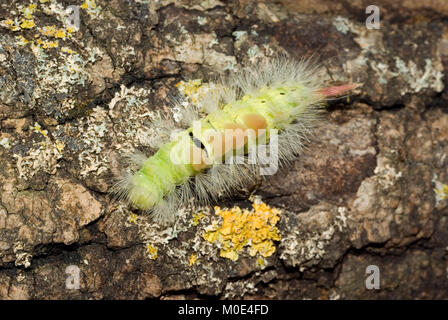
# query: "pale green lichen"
382,70
253,51
134,103
5,143
43,155
91,158
372,44
386,174
239,34
202,20
420,79
342,24
60,75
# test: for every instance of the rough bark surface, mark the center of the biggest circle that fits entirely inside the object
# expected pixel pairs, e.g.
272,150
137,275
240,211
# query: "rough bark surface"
372,189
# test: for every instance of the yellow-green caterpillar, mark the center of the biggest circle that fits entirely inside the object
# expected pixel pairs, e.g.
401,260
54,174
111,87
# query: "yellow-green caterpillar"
243,112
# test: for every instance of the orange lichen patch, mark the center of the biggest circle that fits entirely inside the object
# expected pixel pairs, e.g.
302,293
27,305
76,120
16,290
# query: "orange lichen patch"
60,34
443,192
27,24
254,228
190,89
26,21
54,32
46,44
89,4
49,44
152,251
193,260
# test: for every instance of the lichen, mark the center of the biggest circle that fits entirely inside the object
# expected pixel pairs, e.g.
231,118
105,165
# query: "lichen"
342,24
197,217
152,251
372,44
386,173
202,20
91,159
92,9
242,228
5,143
253,52
41,39
194,91
132,218
193,260
239,34
419,79
441,191
43,155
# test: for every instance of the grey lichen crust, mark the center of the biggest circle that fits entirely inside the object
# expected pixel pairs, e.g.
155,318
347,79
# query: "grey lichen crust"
372,188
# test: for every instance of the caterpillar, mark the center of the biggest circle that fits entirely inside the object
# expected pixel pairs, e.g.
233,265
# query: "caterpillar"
272,107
